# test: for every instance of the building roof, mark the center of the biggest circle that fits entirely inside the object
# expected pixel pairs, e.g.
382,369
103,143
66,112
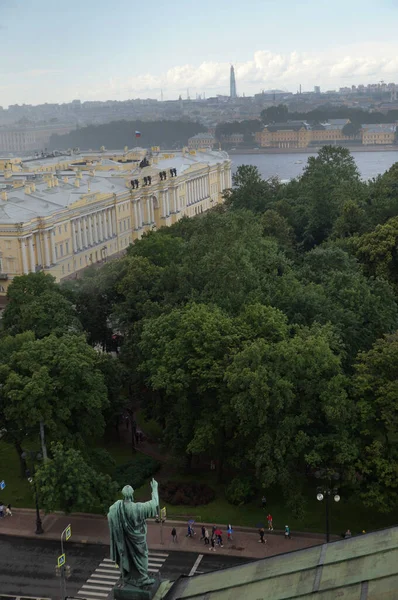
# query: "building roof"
380,128
44,201
289,126
360,568
202,136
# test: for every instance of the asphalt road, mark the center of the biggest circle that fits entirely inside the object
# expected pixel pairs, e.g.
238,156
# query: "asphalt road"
27,567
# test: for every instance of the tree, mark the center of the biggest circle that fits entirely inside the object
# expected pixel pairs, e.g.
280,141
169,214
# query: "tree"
275,114
35,303
319,191
351,129
251,191
94,296
184,357
67,482
376,391
55,381
288,397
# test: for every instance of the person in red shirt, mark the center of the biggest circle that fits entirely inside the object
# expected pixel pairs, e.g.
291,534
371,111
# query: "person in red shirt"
270,526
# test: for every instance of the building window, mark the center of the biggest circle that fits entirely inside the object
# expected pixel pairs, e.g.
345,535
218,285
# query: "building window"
63,269
65,227
61,249
59,229
80,261
67,247
56,252
68,268
1,265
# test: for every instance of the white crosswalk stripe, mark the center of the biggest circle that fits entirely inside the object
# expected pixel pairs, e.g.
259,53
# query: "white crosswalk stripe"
100,583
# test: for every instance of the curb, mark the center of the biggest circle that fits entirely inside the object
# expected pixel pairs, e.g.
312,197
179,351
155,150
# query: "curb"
180,522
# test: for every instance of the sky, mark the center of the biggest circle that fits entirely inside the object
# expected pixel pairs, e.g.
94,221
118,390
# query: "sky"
53,51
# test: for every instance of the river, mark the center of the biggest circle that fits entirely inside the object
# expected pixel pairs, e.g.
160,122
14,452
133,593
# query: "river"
287,166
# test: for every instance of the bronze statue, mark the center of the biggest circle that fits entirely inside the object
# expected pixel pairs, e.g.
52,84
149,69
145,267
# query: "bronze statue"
128,531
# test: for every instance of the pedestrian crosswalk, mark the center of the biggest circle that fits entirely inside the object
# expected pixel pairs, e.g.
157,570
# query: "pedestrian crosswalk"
106,575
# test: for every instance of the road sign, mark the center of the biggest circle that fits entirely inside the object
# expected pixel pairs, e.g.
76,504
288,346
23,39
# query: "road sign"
2,485
163,513
61,560
68,532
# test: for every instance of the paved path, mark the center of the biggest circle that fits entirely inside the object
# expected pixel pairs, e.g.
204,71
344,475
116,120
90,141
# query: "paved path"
93,529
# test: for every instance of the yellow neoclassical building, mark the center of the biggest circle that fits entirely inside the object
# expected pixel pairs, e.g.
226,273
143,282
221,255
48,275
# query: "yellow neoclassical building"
62,214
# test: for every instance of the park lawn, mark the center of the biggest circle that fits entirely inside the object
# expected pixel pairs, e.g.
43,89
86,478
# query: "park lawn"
343,515
18,490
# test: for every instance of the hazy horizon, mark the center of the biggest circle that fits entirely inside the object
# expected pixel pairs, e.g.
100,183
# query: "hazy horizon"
99,51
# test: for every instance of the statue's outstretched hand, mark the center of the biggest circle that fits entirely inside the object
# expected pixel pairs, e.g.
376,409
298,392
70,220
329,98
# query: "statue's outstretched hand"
154,485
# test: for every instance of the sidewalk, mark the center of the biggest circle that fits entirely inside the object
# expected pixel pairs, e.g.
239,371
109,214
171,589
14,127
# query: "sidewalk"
93,529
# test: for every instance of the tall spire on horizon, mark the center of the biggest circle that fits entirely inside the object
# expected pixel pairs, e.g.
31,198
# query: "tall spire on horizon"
232,83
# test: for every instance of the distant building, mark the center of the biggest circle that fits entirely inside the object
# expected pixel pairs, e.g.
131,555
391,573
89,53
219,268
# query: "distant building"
232,83
233,138
293,134
23,139
317,89
378,134
201,140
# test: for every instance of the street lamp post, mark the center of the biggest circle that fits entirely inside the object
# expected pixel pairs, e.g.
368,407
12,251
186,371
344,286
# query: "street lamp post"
31,478
325,492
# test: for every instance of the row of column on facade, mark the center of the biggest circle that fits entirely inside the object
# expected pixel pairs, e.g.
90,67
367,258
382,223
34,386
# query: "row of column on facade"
92,229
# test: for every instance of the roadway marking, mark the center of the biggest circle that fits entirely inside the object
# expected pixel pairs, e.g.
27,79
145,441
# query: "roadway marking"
195,566
101,582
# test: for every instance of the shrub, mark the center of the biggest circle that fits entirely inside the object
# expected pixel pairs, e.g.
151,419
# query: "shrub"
136,471
239,491
190,494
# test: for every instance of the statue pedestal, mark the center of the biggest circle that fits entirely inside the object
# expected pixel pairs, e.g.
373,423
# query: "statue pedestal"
131,592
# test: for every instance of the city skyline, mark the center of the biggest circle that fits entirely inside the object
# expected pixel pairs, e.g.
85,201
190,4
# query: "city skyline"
89,52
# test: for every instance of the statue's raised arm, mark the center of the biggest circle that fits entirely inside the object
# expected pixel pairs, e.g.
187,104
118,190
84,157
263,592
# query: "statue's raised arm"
128,531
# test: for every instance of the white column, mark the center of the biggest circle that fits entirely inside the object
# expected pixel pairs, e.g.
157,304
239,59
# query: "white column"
101,229
32,254
95,232
167,203
148,213
107,223
46,249
136,226
153,209
114,224
38,249
54,259
24,257
79,234
90,230
84,224
97,227
140,214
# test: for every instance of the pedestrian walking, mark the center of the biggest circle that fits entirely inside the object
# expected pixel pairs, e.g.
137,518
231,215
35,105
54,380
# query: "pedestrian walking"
1,510
219,540
287,532
174,534
203,532
347,534
8,510
212,544
264,501
229,532
270,525
207,537
261,533
213,529
189,534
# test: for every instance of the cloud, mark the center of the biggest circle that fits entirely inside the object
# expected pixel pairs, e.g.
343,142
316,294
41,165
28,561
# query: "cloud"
265,70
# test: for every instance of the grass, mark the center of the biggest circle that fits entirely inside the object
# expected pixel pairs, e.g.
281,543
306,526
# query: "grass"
343,515
151,428
18,491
